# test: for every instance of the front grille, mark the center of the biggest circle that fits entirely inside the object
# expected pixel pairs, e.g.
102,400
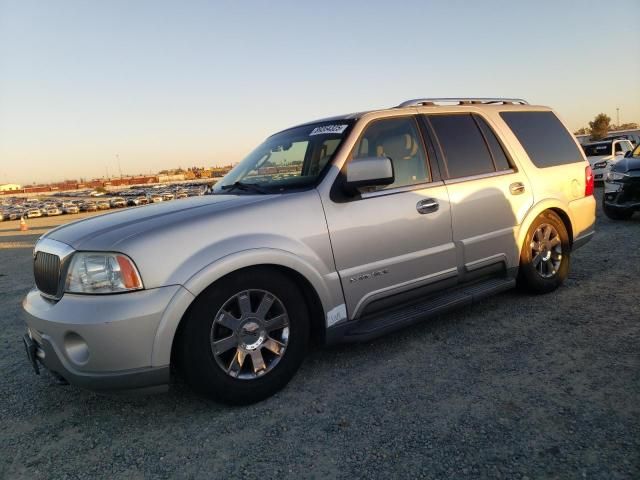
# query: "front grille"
46,270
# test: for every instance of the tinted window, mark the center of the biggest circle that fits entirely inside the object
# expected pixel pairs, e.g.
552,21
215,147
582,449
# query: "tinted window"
499,157
543,137
597,149
465,151
398,139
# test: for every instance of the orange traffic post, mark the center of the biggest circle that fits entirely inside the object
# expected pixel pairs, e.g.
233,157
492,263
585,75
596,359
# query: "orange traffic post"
23,225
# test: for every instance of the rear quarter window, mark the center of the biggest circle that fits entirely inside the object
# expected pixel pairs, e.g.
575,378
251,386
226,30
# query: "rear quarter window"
544,138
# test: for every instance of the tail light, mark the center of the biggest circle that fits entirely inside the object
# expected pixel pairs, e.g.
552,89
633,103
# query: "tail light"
588,182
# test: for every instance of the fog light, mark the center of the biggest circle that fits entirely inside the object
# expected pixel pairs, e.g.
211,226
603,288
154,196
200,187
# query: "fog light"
76,348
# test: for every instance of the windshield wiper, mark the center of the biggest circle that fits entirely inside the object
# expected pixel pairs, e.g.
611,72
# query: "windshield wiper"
247,187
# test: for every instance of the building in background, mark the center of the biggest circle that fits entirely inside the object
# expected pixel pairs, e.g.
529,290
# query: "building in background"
9,187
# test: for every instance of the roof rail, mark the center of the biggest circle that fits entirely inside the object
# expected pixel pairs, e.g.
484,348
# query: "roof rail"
419,102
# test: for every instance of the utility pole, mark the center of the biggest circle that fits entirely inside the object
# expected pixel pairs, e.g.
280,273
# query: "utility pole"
119,169
618,118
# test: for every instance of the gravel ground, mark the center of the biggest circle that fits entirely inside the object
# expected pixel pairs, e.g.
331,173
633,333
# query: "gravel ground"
515,387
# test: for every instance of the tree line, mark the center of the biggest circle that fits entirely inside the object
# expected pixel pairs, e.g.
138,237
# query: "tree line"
601,126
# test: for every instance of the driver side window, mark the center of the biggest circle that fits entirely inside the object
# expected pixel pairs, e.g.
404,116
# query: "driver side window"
399,140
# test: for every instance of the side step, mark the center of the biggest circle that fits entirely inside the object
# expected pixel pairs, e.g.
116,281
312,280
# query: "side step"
387,321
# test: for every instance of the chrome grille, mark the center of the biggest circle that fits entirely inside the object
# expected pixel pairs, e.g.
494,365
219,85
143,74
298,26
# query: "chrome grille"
46,269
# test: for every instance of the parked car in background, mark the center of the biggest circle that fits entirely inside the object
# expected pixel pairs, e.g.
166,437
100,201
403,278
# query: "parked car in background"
33,213
52,211
118,202
166,196
182,194
155,198
103,205
70,208
88,207
634,138
601,154
360,224
136,201
621,197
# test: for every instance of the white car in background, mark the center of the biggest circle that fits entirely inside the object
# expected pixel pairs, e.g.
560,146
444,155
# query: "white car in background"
69,208
602,154
33,213
52,211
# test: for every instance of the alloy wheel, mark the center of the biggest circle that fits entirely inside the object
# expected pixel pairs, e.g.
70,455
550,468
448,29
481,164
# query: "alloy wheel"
250,334
546,250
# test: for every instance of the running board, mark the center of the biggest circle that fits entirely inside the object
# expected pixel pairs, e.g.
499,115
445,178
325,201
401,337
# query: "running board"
393,319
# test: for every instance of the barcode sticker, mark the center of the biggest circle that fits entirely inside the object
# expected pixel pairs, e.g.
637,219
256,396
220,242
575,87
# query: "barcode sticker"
328,129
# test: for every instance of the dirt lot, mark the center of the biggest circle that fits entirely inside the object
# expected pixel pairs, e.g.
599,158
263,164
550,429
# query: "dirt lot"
516,387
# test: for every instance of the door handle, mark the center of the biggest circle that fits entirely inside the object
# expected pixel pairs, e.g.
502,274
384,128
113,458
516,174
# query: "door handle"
428,205
516,188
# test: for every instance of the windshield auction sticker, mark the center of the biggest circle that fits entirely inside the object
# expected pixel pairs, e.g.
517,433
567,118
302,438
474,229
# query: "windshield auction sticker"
326,129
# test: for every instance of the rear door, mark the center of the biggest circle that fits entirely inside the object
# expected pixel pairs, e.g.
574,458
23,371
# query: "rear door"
387,242
489,196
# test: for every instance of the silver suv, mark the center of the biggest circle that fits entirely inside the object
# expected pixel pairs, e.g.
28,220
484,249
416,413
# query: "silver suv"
337,230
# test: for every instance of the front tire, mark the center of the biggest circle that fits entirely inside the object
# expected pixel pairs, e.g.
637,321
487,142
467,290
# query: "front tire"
545,255
245,336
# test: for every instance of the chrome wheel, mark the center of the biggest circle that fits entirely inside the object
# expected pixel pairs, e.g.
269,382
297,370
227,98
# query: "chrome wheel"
546,250
250,334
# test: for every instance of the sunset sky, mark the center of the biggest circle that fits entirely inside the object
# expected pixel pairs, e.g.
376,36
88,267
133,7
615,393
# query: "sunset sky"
168,84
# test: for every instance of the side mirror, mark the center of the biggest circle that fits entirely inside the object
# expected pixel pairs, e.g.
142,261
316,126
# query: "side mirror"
369,172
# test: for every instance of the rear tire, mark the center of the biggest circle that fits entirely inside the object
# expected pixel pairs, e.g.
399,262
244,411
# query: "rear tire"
545,255
617,213
230,350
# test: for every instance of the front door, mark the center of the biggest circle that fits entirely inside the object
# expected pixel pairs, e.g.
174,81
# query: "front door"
392,240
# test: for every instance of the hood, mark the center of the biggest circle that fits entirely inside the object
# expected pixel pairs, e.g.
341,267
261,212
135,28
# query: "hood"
626,164
107,231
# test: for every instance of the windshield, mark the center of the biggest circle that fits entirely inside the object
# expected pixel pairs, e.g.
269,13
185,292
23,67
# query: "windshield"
597,149
288,160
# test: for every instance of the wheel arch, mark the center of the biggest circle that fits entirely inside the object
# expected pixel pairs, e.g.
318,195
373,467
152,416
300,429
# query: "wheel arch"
321,294
564,216
553,205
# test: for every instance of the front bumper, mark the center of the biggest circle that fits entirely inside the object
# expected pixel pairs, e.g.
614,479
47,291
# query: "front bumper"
99,342
623,193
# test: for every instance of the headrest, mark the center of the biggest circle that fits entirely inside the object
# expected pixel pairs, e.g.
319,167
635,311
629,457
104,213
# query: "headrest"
399,147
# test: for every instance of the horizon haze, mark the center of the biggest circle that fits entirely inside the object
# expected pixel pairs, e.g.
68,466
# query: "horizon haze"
162,84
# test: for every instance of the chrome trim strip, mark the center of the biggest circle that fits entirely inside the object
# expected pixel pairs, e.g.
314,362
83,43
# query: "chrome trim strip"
407,188
453,181
64,253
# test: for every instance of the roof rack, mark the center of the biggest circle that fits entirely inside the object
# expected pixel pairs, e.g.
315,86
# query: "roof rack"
420,102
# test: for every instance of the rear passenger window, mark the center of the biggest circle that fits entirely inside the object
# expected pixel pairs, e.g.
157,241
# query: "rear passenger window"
464,149
543,137
497,152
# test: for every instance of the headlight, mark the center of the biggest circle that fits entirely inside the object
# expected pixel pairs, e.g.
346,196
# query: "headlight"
614,176
98,272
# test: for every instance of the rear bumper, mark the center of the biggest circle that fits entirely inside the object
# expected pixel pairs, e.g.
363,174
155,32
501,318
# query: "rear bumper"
100,342
583,220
